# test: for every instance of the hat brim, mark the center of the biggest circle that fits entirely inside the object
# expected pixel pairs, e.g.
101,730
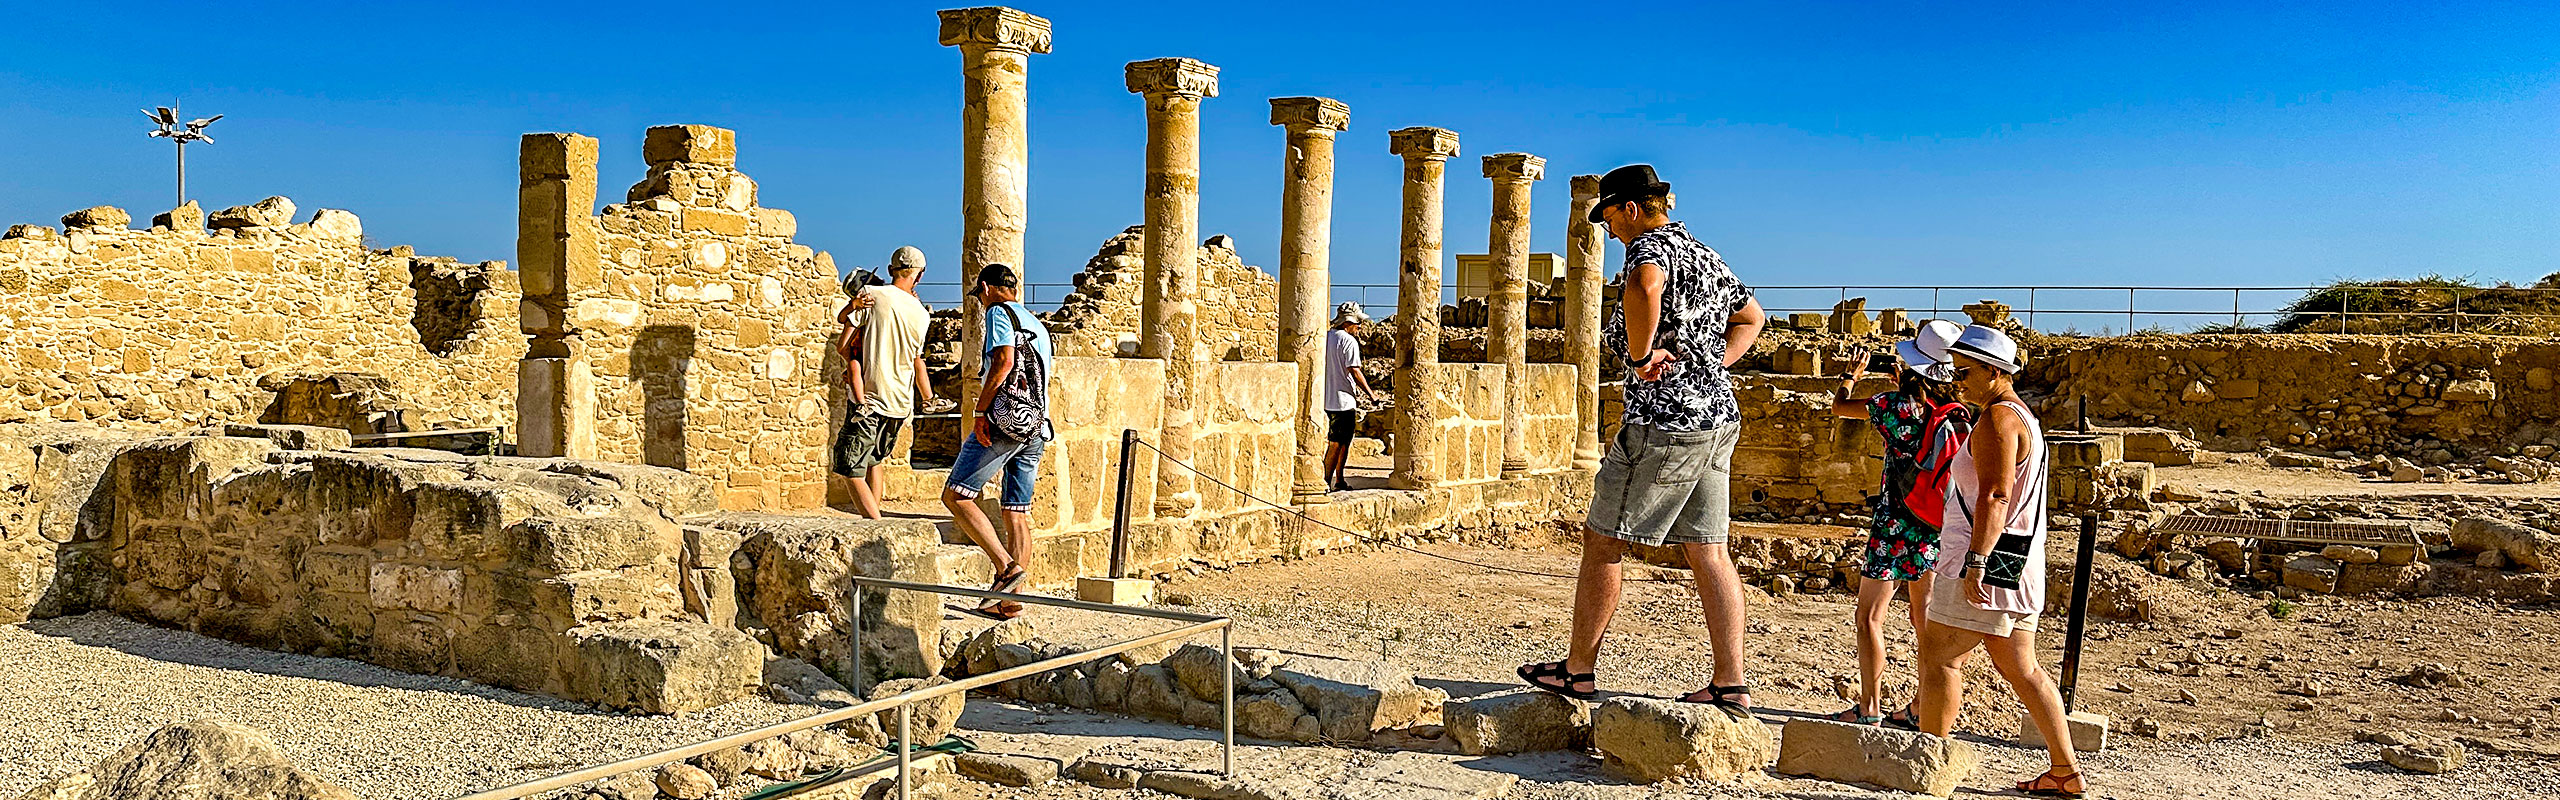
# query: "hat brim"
1655,189
1912,358
1978,354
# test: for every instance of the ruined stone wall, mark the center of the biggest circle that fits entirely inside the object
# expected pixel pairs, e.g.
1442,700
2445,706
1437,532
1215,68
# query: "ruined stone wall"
561,577
1467,416
709,331
1550,416
1239,304
178,327
1248,434
2367,394
1091,400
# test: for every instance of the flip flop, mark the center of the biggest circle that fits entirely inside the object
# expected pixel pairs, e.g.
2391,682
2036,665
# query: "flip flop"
1850,715
1716,697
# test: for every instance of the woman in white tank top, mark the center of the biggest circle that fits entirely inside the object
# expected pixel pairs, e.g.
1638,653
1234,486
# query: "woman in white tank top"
1991,563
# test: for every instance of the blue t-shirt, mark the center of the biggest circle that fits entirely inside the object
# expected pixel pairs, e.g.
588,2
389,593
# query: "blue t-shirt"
1000,334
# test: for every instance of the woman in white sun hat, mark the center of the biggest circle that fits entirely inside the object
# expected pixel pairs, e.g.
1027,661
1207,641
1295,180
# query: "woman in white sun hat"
1993,571
1901,547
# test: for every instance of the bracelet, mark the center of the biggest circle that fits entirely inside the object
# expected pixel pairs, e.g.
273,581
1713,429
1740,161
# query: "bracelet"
1972,559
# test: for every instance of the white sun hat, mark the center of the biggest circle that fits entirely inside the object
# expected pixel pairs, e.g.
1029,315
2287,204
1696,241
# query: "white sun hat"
1926,353
1989,346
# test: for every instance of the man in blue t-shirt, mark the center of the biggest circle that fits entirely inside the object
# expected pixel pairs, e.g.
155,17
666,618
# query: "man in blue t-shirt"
986,453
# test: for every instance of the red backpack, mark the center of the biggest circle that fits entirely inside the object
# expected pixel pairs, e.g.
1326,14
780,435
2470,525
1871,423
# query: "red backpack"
1944,434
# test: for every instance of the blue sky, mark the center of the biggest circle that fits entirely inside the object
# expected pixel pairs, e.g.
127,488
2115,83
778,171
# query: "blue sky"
1886,143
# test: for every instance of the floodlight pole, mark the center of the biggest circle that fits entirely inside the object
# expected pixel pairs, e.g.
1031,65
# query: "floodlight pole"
182,173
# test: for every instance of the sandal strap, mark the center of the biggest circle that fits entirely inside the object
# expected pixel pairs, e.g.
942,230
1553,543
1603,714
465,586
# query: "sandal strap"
1726,691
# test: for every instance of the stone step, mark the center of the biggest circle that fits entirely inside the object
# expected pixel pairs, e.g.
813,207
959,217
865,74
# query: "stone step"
1889,757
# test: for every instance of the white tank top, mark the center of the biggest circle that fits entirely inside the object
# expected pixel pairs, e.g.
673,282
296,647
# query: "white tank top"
2026,517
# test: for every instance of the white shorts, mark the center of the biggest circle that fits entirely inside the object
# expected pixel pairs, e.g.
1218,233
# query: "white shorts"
1951,604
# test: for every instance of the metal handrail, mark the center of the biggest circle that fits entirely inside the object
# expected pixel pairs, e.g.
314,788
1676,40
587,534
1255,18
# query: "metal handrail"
903,701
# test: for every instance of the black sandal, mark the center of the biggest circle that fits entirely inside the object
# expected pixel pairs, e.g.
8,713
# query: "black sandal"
1009,582
1533,674
1905,719
1716,697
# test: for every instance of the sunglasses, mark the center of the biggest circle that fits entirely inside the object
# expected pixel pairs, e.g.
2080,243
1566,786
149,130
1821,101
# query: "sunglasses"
1963,372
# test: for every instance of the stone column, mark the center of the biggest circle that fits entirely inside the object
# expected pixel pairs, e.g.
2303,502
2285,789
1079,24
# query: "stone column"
1582,264
1507,316
556,261
1169,323
1426,153
1306,280
996,44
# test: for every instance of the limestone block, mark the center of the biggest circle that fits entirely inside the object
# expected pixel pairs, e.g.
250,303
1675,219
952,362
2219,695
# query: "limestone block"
1650,740
33,233
1005,769
2160,446
295,437
2381,577
201,760
2529,549
336,225
800,588
2312,574
97,217
2428,756
928,721
1889,757
1893,321
273,212
2088,732
1196,668
1517,721
685,782
576,544
662,666
1352,699
1116,591
2085,453
694,144
415,587
2477,390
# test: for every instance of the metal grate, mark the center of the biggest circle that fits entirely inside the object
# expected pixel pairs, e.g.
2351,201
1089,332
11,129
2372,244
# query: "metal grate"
2286,530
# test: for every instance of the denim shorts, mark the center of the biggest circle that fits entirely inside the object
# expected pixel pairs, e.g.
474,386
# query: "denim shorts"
978,464
1657,486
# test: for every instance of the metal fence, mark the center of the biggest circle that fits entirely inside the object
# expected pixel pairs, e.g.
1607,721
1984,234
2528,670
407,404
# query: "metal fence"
2074,308
1195,624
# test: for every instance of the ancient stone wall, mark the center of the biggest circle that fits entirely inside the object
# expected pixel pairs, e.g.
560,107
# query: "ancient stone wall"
2367,394
1239,304
1248,434
1550,416
566,578
709,330
179,327
1467,418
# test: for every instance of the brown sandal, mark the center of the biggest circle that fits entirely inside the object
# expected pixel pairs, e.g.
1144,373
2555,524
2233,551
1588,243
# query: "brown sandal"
2051,785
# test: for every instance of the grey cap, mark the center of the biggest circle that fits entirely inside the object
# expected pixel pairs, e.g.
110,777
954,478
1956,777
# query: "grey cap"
906,258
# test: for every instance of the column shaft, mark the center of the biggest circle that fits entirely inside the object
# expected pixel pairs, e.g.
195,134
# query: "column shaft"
1306,282
1426,153
557,260
1169,324
1507,318
996,44
1582,265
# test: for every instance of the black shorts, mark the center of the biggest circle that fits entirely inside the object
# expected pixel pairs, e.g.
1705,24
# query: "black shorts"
1340,425
865,440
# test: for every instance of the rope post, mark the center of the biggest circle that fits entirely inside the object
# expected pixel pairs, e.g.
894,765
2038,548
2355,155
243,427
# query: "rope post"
2079,607
1120,509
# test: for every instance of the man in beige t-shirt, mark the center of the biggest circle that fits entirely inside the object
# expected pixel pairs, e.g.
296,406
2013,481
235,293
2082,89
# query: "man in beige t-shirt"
883,347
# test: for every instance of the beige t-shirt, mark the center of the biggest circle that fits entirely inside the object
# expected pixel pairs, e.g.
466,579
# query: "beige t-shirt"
892,338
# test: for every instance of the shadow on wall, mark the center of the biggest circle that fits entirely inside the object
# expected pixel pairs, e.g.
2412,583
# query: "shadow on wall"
660,357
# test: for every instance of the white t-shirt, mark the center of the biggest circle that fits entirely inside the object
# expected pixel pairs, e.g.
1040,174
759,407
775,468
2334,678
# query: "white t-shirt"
1340,351
892,338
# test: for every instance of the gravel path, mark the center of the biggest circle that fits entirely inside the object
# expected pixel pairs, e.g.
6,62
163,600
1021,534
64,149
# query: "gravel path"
80,688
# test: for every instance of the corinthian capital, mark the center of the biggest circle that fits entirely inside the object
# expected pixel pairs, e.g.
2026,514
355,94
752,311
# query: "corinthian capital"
1514,167
1310,112
1173,76
995,26
1423,142
1586,185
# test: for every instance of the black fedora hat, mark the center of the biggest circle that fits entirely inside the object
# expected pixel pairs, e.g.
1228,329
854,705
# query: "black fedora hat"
1630,182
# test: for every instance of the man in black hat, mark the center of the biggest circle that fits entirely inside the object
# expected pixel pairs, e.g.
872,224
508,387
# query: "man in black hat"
1683,320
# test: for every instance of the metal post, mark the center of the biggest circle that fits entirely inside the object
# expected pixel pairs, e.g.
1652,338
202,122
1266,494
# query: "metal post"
859,691
1120,510
2128,311
906,778
2084,413
2235,310
2079,606
1227,702
2031,307
182,173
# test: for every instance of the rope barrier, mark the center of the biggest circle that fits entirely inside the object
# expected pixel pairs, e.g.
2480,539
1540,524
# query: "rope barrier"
1160,454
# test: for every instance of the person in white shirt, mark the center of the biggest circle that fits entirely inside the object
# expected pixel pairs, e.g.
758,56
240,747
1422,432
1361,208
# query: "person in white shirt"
1341,377
883,348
